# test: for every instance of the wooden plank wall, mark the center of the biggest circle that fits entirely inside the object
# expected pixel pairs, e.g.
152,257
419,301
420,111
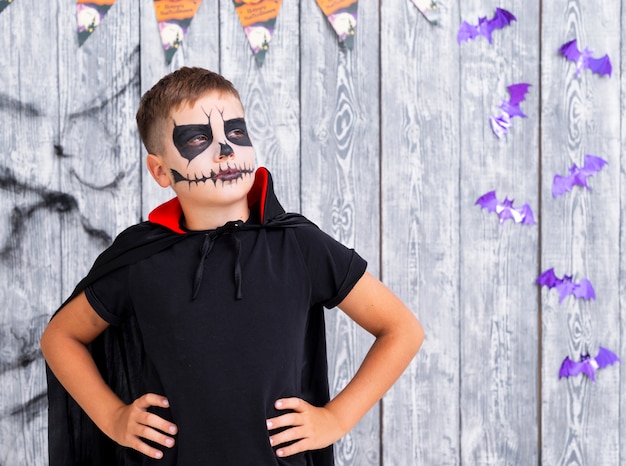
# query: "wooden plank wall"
387,147
580,235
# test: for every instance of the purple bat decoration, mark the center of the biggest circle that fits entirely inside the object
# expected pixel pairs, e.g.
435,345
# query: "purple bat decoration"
577,175
587,364
585,59
517,94
565,286
505,209
485,26
500,125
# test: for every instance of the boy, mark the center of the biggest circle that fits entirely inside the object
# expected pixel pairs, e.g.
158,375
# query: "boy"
198,337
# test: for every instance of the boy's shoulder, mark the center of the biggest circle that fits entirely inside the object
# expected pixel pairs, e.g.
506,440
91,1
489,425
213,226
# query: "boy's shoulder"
135,243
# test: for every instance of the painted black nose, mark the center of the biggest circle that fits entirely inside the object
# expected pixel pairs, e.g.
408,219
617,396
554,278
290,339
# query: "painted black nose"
226,150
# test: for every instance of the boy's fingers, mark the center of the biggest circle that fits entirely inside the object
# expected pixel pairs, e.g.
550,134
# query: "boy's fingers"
296,404
292,449
152,420
157,422
152,399
154,435
286,420
147,450
288,435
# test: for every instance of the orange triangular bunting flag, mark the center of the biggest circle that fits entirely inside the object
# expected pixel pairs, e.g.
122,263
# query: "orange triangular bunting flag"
258,18
342,16
174,18
89,14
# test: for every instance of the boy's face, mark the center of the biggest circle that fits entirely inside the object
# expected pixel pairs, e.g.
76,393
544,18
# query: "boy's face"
208,156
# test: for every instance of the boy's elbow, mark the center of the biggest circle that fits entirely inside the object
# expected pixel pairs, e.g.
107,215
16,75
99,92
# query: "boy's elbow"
50,339
44,342
417,335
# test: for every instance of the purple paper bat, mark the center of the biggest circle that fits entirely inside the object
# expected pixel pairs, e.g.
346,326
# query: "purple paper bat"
510,108
517,94
500,125
485,26
565,286
577,175
587,364
585,59
505,209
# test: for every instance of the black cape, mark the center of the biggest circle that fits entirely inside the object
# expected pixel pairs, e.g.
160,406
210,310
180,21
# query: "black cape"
73,439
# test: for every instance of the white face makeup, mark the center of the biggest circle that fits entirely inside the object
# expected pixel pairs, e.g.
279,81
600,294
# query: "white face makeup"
223,133
193,140
209,154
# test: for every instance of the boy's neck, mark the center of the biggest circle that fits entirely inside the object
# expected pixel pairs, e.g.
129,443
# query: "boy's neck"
210,218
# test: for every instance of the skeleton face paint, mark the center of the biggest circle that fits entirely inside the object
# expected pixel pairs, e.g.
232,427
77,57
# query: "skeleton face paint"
236,132
210,142
192,140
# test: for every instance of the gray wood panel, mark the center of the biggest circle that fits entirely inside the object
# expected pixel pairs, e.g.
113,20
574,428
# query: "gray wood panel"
200,48
386,147
270,93
32,212
622,240
498,305
340,180
98,135
420,220
580,235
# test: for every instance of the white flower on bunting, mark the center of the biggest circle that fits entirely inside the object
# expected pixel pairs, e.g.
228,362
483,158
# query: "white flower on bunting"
89,14
258,18
342,15
174,18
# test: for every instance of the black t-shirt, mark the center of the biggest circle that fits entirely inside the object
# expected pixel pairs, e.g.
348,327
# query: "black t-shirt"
223,360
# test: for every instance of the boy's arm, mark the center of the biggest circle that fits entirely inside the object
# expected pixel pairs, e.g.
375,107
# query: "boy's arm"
399,336
64,345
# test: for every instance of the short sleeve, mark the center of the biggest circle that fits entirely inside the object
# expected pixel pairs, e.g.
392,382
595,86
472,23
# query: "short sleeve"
109,296
333,268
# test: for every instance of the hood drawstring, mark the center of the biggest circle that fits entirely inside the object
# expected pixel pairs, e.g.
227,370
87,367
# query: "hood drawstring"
239,294
207,246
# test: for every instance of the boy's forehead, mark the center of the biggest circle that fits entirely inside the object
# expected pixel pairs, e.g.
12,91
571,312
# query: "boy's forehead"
220,105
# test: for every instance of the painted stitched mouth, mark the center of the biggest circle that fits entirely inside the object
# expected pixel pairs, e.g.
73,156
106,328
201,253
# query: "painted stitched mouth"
229,174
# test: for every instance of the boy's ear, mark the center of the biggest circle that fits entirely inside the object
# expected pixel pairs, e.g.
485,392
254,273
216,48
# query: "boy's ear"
158,170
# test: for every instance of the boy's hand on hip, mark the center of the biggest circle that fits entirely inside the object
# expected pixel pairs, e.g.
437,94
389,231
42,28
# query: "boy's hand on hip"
133,423
309,427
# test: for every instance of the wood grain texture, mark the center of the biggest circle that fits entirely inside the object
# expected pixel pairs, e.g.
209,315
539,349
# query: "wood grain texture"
386,147
580,235
200,48
339,128
32,208
622,241
499,312
98,135
420,219
271,95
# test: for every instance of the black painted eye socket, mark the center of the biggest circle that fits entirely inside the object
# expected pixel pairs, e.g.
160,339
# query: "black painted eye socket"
237,132
198,140
192,140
